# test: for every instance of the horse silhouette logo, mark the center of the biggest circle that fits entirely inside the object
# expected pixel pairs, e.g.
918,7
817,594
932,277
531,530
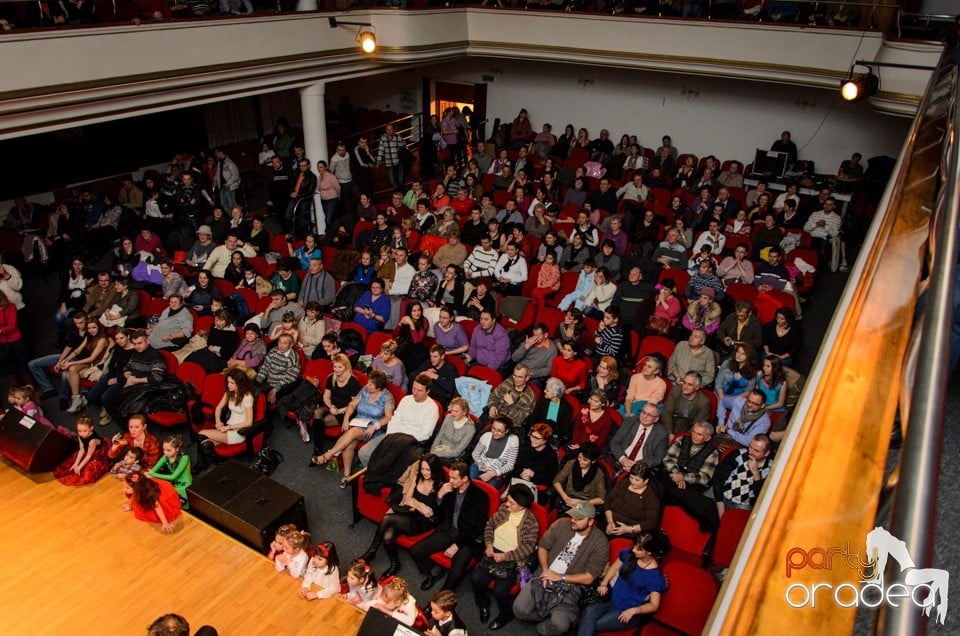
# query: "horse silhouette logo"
882,545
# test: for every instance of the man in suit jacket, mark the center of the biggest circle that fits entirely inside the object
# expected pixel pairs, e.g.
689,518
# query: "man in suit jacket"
641,438
463,516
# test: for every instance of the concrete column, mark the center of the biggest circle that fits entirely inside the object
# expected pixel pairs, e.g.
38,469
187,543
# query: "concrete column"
314,122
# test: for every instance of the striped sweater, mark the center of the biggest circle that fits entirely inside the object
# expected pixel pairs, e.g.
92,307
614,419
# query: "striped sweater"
279,369
481,263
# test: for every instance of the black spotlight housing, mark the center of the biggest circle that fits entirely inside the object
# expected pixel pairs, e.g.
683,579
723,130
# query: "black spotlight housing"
859,87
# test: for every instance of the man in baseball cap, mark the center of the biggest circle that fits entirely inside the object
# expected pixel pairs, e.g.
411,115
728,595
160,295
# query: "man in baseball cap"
572,555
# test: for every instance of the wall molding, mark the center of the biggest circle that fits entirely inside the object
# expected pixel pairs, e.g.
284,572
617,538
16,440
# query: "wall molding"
291,51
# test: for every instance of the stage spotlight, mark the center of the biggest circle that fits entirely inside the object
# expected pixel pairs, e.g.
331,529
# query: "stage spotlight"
366,38
859,87
368,41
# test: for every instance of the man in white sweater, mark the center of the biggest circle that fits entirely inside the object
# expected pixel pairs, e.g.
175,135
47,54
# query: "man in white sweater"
416,414
220,256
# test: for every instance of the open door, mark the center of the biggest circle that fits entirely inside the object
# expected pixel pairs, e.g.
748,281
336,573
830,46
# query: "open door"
472,96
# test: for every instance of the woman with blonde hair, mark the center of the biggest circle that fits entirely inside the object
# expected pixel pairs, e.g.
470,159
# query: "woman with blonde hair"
456,432
390,364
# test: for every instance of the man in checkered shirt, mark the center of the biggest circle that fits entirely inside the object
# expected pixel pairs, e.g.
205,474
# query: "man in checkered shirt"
739,478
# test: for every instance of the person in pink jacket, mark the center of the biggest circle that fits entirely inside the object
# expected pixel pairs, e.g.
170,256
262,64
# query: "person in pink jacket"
548,280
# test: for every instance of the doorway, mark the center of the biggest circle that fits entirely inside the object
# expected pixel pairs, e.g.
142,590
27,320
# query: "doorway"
472,96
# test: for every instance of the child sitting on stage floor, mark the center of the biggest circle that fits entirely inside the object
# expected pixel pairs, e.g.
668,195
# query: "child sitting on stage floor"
294,557
322,579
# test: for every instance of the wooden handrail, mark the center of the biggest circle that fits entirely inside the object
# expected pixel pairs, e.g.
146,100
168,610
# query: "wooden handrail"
825,485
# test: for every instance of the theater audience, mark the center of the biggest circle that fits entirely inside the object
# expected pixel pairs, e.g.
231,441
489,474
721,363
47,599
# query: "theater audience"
517,450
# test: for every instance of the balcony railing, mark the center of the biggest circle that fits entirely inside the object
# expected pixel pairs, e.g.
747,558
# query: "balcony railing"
825,489
887,17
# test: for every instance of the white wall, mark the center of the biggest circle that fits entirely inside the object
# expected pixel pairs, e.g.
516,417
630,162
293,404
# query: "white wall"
727,118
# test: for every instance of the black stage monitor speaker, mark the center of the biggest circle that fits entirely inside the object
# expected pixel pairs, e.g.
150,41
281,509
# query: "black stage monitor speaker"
32,446
376,623
770,163
245,504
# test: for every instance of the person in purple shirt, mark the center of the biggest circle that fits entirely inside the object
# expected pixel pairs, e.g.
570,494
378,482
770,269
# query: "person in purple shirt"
490,344
450,334
617,235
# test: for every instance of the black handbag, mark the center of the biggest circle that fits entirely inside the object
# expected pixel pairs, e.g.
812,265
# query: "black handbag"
499,569
266,461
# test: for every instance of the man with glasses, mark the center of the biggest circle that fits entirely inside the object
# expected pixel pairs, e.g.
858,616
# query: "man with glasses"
740,477
641,438
747,417
513,398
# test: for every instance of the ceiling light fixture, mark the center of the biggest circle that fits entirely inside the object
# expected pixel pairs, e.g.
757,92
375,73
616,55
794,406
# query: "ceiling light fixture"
365,37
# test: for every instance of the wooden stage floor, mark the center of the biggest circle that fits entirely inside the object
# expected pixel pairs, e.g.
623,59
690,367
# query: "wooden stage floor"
74,563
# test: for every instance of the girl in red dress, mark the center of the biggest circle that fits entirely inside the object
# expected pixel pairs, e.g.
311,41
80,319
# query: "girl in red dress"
152,500
89,463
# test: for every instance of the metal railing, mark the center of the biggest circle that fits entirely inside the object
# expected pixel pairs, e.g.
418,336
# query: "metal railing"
407,127
824,489
923,20
913,514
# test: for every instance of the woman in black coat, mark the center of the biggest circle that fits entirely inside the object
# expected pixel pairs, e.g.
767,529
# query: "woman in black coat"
537,459
553,409
450,292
